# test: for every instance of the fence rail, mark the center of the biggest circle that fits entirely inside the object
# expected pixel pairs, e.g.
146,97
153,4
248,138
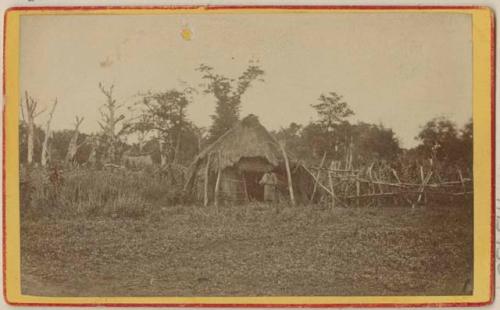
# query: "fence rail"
342,183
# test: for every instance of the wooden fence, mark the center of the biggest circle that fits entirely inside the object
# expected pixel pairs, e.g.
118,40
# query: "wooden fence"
380,183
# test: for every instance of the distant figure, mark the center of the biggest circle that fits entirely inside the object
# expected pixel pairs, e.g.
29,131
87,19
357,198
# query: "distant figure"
270,181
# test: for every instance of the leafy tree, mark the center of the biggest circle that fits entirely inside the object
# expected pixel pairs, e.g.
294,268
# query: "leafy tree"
60,141
332,133
368,142
295,143
290,134
448,146
227,92
191,143
440,140
332,110
466,136
164,113
317,140
375,142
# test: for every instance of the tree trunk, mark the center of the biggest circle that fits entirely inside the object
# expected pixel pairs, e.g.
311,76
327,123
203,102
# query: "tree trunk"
30,132
31,113
110,119
92,160
45,148
73,143
179,136
112,126
72,148
163,155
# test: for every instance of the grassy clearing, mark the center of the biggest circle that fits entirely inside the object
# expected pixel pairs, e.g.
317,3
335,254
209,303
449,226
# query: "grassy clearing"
252,250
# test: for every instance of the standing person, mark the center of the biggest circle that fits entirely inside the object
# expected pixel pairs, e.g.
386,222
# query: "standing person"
270,182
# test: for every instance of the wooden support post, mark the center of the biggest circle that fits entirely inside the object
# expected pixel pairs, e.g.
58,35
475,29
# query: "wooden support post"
399,182
288,173
379,183
395,174
217,187
246,188
317,178
207,174
358,191
351,151
346,165
422,178
422,189
372,183
330,182
324,187
461,180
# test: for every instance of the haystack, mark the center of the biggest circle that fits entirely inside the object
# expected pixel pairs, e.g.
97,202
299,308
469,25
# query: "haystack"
229,170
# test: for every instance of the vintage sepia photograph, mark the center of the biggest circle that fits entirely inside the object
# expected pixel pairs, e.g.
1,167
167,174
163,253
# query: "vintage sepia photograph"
246,153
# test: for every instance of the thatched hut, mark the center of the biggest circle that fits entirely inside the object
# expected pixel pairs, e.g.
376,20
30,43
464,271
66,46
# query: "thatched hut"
229,170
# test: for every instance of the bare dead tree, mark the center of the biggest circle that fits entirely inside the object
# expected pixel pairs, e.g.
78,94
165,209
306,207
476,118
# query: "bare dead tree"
31,106
45,147
94,143
110,120
73,143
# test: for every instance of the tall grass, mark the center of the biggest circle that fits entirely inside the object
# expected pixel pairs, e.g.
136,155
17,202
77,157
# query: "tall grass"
116,193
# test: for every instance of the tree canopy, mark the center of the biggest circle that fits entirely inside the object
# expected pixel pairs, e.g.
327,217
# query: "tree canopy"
227,92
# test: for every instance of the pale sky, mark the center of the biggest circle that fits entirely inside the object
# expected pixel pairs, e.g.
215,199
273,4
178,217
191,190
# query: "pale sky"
398,69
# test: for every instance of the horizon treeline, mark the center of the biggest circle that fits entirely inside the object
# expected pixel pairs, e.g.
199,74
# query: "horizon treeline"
163,131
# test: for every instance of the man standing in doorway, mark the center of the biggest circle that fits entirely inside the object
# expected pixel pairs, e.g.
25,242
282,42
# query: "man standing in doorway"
270,182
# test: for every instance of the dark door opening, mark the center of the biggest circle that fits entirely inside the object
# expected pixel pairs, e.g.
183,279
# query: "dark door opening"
254,190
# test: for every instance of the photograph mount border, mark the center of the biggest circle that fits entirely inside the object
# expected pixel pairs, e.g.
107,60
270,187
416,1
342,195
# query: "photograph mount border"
207,9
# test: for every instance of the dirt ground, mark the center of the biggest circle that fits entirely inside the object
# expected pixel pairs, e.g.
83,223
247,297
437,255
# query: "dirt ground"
251,250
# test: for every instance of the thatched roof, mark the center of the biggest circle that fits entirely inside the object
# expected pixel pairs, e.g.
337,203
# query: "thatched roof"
247,139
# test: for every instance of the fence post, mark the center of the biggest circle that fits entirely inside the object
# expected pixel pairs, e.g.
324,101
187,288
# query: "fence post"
330,182
317,178
425,180
461,180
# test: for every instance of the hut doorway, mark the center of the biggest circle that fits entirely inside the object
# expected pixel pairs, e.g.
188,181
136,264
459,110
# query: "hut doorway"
254,190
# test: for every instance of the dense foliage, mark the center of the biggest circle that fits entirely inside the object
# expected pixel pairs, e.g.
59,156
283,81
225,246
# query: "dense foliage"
227,92
159,127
